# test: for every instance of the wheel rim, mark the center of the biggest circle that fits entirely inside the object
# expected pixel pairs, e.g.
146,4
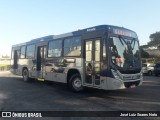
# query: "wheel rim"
77,83
25,75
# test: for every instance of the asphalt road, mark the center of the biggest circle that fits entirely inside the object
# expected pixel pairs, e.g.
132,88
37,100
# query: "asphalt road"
16,95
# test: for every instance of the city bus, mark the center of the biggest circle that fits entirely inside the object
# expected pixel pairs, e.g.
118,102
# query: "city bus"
104,57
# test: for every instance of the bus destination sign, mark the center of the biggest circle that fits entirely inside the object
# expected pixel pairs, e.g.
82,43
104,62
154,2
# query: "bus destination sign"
124,32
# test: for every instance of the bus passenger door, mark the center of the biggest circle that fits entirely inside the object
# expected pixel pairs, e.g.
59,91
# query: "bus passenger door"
41,57
92,62
15,59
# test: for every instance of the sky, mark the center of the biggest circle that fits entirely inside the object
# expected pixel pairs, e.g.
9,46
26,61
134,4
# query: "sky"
23,20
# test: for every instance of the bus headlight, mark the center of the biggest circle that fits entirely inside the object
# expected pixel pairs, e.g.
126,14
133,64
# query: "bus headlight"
115,74
141,74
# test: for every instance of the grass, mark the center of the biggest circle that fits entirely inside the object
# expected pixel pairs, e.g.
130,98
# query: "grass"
5,58
3,65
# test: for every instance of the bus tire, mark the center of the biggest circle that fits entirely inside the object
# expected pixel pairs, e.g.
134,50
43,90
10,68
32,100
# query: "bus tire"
26,75
75,83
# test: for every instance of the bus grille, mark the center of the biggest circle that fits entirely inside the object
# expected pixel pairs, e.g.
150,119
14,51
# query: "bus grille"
128,84
131,77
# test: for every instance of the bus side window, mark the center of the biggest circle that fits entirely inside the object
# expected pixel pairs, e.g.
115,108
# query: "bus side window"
104,55
55,48
22,52
104,52
30,52
72,46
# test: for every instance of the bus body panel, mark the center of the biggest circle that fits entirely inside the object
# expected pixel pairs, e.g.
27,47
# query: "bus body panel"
114,84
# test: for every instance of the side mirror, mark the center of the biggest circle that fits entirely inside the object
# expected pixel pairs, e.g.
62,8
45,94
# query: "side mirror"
111,42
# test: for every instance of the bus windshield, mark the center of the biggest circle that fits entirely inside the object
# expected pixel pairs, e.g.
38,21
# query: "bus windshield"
125,53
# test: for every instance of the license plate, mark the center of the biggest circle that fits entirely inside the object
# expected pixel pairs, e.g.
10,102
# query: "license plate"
132,86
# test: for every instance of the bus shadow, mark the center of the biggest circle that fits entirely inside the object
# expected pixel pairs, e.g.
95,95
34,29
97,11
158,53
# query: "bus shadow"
58,93
62,89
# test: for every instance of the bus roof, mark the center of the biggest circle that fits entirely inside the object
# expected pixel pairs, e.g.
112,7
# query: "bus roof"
74,33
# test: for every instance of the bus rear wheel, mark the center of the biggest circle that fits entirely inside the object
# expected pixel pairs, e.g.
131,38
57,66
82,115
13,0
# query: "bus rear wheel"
75,83
26,75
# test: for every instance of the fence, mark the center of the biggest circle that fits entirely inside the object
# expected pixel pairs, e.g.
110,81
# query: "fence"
5,64
5,68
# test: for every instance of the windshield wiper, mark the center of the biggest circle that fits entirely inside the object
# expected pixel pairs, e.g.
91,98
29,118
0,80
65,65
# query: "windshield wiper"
133,40
120,38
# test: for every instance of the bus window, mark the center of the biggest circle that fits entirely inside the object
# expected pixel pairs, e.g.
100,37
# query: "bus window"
104,52
88,50
97,50
55,48
22,53
30,51
72,46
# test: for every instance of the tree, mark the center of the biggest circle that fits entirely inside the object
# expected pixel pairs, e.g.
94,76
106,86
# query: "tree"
144,54
155,39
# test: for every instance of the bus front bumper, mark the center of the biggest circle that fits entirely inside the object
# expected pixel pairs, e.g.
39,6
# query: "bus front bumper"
114,84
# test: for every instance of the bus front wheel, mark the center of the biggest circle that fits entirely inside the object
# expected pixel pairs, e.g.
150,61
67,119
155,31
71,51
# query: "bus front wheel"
25,75
75,83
